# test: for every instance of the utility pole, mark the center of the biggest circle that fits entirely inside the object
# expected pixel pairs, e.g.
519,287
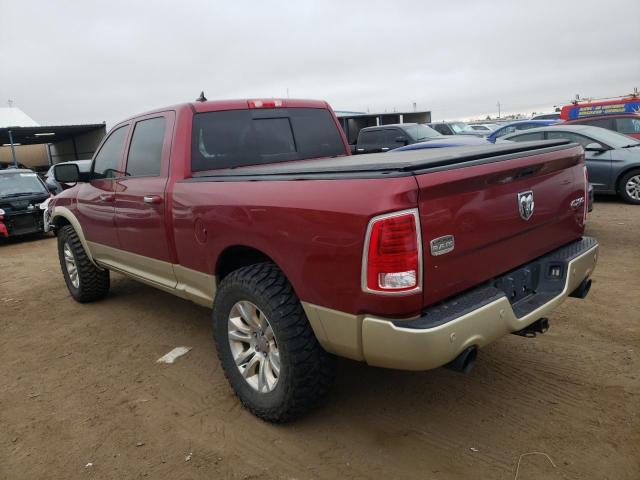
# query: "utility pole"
13,150
498,109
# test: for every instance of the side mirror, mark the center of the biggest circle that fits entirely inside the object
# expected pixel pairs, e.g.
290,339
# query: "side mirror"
67,173
595,147
353,149
402,140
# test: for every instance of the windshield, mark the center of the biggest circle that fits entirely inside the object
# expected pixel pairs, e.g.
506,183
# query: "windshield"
13,184
421,132
614,139
460,127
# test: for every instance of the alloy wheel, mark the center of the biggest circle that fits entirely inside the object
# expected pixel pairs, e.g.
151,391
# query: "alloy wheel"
70,265
253,346
632,187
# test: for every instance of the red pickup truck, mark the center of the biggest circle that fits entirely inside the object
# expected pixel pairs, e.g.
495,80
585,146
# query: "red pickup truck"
408,260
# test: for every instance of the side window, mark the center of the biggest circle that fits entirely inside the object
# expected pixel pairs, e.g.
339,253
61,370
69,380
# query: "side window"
526,126
145,152
628,125
442,128
505,131
107,160
372,137
527,137
599,122
574,137
390,136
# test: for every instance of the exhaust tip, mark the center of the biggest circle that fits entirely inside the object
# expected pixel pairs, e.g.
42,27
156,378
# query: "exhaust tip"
464,362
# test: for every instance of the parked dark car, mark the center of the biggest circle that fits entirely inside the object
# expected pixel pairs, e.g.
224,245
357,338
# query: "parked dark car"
4,165
612,159
455,128
625,123
519,125
21,193
56,187
389,137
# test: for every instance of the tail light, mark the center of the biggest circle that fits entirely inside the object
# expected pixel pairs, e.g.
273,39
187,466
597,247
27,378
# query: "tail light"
392,258
265,103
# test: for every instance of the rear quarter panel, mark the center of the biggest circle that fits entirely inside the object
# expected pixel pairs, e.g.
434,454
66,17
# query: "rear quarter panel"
313,230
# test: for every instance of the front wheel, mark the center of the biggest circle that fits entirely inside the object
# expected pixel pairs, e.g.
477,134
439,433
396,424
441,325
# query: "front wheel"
266,346
629,187
85,281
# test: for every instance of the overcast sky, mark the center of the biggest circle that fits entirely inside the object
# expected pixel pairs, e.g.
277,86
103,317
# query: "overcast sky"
85,61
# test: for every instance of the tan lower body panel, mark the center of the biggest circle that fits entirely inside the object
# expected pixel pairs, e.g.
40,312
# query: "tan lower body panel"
338,332
184,282
381,343
197,286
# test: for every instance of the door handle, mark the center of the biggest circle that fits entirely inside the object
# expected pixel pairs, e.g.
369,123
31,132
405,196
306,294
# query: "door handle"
152,199
107,197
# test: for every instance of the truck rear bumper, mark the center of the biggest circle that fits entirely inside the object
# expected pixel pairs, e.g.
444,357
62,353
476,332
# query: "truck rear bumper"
508,304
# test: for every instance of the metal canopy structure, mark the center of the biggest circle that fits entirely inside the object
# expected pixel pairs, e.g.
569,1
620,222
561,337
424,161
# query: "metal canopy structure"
353,122
63,142
48,134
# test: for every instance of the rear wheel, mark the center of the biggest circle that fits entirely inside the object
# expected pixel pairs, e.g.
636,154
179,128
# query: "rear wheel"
266,346
629,187
85,281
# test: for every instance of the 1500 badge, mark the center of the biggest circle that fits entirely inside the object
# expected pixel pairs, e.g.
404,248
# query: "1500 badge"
442,245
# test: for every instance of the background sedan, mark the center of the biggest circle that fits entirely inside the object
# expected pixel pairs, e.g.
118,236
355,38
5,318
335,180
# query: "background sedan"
613,159
517,126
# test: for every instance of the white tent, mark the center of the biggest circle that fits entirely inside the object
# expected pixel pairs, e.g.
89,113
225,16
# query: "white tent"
14,117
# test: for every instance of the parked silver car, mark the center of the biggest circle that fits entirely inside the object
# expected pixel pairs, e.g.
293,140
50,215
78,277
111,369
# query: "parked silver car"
613,159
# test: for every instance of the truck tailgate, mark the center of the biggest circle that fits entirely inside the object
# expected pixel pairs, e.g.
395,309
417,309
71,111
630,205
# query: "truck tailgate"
479,206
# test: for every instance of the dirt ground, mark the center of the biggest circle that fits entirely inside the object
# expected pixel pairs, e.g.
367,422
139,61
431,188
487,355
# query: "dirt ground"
82,397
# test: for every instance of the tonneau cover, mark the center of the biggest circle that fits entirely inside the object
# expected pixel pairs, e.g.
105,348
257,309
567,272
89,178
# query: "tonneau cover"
403,162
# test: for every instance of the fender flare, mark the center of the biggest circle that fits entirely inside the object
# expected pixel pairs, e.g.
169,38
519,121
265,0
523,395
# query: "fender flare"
68,215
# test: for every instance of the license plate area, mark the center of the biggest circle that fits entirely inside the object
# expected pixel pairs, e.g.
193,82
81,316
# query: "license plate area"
544,276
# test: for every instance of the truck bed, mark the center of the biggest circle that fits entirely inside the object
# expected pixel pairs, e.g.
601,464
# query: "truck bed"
376,165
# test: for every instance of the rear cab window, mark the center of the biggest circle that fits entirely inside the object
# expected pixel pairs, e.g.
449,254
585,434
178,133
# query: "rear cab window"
237,138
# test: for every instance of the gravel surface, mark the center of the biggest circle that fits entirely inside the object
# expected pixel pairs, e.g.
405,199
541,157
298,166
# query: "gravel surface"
81,394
